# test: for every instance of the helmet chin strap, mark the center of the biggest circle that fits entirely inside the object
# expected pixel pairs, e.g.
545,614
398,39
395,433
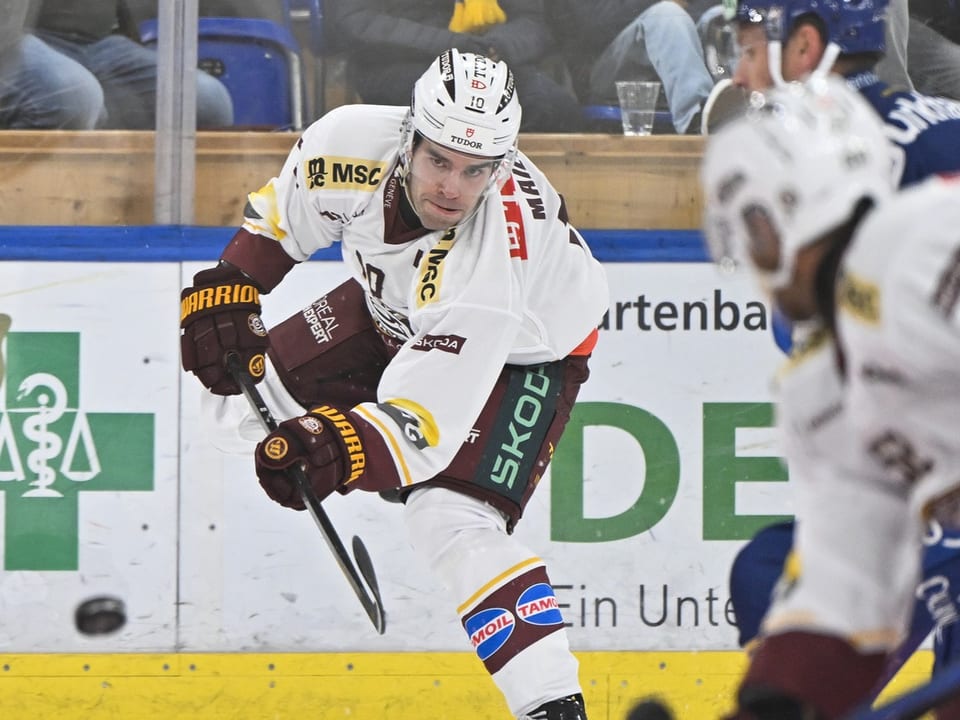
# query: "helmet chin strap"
406,147
775,62
825,66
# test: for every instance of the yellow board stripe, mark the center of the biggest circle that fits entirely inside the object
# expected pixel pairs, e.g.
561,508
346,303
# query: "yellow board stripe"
354,686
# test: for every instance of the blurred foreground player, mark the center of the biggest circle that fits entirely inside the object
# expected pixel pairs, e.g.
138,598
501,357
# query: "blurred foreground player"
789,40
870,400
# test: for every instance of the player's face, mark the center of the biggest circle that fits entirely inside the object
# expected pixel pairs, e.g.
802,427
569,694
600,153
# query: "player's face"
790,282
753,68
799,56
444,186
787,281
797,299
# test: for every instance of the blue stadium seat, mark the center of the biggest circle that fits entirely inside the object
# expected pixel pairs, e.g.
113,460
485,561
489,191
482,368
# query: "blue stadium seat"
258,60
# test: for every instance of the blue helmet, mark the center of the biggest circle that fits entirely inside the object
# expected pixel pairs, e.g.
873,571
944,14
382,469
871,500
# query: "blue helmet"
854,26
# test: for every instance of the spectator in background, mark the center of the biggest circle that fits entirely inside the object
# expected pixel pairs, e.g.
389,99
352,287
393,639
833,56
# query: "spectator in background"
82,67
388,43
13,14
609,40
42,89
943,16
892,67
922,53
933,51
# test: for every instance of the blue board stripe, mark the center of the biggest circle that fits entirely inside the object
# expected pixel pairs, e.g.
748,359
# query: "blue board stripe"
175,243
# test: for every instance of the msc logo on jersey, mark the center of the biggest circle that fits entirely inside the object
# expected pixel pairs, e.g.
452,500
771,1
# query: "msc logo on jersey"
489,630
537,605
343,173
431,270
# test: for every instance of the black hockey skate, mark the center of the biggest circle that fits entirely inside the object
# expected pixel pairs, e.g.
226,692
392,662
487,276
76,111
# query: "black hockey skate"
568,708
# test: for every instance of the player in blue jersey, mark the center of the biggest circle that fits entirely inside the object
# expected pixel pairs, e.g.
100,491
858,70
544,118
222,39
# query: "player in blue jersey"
784,40
788,40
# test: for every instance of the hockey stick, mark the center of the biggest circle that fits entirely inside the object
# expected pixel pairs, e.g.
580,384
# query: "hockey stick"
913,704
371,601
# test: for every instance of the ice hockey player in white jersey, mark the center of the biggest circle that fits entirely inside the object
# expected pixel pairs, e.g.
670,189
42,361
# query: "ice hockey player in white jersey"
445,369
802,191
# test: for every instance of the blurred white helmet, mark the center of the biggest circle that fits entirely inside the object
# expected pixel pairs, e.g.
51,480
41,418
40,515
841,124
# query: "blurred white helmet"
468,103
796,166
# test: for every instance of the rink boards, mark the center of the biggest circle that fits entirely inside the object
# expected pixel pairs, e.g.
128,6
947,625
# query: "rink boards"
374,686
109,485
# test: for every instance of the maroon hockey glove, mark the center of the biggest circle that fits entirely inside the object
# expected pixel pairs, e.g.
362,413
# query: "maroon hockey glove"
323,441
219,314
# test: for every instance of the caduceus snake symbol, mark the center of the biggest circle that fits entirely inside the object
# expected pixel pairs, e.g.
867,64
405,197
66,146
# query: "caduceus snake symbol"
49,444
35,428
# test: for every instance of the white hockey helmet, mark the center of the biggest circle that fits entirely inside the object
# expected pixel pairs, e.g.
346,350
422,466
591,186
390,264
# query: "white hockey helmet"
468,103
793,168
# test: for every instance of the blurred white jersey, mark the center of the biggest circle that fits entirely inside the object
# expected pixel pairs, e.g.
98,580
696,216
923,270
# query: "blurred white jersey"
514,284
869,449
900,327
849,574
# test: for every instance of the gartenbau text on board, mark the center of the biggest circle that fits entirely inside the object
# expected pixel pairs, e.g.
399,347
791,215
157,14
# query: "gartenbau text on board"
706,313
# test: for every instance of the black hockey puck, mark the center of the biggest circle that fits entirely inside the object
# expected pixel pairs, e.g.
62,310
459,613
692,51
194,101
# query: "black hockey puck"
100,615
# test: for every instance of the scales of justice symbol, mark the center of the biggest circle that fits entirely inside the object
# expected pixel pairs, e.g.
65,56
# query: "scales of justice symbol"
51,398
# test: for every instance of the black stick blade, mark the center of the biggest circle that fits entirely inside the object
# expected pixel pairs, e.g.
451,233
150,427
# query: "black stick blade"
365,566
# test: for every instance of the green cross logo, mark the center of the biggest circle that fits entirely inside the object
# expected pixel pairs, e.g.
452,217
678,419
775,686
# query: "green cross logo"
51,450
